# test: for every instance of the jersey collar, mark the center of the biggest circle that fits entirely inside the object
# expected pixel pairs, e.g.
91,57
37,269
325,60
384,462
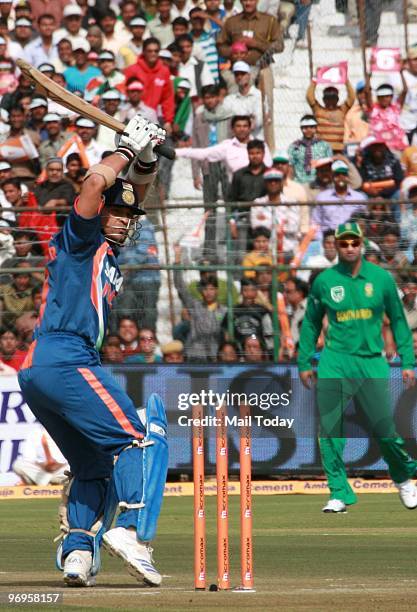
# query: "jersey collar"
345,269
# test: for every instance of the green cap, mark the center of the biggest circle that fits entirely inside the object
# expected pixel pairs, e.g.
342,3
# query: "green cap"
348,229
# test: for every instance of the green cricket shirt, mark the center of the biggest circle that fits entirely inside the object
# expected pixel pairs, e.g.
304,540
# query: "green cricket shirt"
355,307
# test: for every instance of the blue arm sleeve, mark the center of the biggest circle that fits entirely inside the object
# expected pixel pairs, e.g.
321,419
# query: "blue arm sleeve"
80,235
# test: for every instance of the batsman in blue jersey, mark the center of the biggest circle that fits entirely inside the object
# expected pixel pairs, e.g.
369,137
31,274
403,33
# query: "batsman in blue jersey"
118,459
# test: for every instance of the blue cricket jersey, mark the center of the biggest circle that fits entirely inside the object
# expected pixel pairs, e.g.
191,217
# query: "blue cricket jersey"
82,279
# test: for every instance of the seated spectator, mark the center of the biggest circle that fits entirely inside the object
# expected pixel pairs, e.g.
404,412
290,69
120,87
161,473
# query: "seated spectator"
284,220
10,353
320,262
111,101
78,76
253,350
409,300
194,70
134,103
260,32
223,289
128,332
128,53
261,253
26,323
147,348
356,123
380,170
204,338
295,293
160,26
140,289
247,100
22,167
112,351
379,218
392,256
72,30
302,152
65,57
156,79
329,217
56,191
41,462
291,190
331,117
55,140
384,118
228,353
38,108
204,42
42,48
264,285
238,53
113,37
74,172
95,38
173,352
86,130
180,26
109,77
232,152
249,318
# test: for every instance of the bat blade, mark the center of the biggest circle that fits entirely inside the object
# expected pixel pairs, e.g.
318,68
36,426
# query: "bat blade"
58,94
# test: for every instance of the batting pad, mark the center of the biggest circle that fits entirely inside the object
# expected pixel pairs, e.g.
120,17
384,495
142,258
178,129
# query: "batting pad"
155,467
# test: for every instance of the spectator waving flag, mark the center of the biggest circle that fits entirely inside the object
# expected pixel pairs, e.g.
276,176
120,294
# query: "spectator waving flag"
18,148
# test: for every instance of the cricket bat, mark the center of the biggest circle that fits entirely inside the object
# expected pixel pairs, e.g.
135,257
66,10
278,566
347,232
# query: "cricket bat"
48,88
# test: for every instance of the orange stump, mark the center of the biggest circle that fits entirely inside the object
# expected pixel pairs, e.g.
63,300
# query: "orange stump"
223,570
246,546
199,502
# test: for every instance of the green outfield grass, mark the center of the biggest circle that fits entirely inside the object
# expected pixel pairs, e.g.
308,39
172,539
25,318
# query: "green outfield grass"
304,559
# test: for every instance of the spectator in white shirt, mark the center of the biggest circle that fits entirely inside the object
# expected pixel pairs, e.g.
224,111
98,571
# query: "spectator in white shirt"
192,69
324,260
86,130
42,49
111,101
161,25
247,100
72,29
23,35
111,39
284,219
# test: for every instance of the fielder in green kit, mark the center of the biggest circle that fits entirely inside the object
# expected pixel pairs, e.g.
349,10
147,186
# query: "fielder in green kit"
354,295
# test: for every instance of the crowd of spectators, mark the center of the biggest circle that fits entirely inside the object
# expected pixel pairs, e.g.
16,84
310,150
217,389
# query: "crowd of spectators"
194,67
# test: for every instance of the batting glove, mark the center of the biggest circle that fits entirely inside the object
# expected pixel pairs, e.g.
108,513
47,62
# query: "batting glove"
135,137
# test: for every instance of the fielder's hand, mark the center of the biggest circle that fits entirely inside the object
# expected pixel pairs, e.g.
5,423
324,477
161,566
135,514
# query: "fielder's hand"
409,378
308,379
136,136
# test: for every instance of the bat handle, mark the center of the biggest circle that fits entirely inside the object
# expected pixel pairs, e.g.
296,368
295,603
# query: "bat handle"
165,151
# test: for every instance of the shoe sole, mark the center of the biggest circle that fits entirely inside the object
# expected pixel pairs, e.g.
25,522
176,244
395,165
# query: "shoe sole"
334,511
74,580
132,569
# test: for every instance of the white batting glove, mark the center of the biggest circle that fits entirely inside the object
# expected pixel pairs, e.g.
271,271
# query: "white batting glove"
137,134
147,155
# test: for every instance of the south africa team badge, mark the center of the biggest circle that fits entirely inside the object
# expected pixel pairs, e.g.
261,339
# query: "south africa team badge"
337,293
369,290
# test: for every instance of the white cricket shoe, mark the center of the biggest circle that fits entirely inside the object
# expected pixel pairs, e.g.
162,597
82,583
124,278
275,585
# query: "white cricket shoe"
77,569
408,493
136,555
334,505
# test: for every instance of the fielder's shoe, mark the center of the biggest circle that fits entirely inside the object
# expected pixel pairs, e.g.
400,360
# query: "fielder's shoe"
334,505
408,493
137,556
77,569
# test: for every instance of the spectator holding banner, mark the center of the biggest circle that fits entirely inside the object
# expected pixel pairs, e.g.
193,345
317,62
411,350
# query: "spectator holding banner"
330,115
408,117
384,118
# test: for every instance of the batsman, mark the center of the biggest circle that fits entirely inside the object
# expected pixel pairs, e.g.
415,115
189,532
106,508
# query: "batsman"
118,456
354,295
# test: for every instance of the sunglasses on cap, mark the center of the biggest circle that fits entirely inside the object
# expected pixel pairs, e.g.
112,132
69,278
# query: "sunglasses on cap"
344,244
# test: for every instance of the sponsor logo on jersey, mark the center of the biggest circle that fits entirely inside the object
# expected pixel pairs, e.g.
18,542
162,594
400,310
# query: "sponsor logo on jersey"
354,315
369,290
337,293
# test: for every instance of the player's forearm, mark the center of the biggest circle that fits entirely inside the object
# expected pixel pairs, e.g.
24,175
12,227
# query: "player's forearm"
96,182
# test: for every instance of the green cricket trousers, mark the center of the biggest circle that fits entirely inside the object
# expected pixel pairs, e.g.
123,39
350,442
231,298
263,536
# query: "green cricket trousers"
341,378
